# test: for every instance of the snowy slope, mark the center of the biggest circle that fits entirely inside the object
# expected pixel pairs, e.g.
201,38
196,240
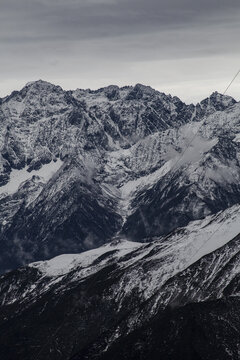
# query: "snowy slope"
63,264
147,267
115,289
17,177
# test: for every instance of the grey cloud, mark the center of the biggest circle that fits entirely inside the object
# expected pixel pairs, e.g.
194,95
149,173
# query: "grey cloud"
90,19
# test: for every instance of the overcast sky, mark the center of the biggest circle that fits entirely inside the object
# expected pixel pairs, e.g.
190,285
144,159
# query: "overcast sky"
184,47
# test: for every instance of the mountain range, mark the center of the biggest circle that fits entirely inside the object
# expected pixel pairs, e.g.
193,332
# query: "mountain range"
119,225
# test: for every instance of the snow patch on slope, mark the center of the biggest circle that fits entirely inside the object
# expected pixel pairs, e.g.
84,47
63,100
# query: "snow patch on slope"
194,146
237,138
63,264
19,176
225,227
147,180
202,237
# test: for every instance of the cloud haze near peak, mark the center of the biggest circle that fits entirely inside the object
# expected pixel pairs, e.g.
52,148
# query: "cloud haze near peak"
180,47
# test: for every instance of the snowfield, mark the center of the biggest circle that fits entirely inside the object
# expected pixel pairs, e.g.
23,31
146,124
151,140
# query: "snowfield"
17,177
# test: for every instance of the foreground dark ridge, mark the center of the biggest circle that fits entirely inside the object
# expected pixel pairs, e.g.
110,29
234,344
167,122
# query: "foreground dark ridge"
164,299
104,165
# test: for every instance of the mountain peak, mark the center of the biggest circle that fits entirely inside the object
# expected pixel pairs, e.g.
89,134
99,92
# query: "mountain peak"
40,81
219,96
145,88
34,88
41,85
112,92
140,91
218,101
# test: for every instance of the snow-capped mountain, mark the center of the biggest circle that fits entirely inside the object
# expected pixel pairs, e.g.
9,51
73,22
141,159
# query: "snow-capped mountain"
79,168
149,186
